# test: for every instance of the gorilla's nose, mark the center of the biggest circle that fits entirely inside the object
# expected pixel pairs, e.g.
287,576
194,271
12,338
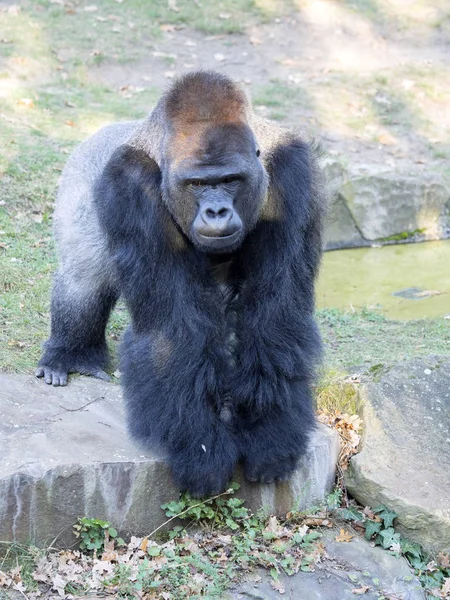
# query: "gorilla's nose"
216,219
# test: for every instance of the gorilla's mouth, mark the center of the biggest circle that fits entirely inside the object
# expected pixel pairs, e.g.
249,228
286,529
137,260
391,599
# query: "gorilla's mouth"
218,241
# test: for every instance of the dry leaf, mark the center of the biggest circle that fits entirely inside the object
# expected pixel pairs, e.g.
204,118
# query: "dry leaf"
386,139
361,590
172,4
58,584
26,102
70,123
277,585
170,27
344,536
443,559
255,41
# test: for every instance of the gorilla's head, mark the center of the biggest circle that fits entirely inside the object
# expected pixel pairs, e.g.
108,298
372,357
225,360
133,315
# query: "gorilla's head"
213,181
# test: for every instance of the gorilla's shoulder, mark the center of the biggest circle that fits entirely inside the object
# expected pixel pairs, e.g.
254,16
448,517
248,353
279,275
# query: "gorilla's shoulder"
99,147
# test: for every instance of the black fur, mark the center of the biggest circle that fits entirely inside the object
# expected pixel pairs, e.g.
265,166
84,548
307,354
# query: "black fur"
181,390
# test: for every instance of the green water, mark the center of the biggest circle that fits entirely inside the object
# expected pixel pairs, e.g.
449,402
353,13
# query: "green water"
368,277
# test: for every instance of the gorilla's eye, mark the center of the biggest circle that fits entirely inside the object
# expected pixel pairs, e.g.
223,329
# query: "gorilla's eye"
196,182
258,152
229,179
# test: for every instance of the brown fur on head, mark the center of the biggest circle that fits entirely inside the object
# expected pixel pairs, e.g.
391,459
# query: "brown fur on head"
205,96
197,103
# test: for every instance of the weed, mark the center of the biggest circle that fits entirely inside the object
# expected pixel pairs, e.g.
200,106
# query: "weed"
379,528
93,533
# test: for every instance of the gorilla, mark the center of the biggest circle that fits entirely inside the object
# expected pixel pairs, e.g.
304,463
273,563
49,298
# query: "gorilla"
207,220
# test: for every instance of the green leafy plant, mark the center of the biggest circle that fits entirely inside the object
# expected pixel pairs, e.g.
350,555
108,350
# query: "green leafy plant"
93,533
379,525
217,512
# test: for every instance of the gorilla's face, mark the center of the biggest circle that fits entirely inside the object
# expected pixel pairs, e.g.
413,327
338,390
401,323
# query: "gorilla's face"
215,192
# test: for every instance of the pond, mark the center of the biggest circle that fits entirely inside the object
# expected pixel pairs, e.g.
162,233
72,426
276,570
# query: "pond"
406,281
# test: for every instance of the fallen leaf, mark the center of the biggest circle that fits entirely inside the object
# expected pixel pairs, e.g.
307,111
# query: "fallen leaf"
386,139
361,590
16,344
90,8
58,584
255,41
70,123
443,559
278,586
344,536
172,4
170,27
26,102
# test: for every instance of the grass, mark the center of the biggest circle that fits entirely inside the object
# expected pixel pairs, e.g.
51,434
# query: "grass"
51,100
356,341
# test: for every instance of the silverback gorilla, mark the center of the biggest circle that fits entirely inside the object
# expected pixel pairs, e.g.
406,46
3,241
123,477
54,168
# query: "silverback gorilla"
207,220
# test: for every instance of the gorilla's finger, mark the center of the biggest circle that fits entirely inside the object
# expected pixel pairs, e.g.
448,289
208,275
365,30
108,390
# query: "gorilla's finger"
101,375
48,376
39,372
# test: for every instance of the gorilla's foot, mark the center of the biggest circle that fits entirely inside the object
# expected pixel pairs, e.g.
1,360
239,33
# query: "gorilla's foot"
267,467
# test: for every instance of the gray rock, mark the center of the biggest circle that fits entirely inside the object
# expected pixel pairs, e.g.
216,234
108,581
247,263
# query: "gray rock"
65,454
404,462
385,203
343,568
340,227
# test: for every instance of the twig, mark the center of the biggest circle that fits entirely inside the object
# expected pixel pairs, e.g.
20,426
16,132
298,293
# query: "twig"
81,407
229,491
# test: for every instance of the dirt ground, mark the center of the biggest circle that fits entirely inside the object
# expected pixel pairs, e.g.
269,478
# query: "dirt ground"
373,85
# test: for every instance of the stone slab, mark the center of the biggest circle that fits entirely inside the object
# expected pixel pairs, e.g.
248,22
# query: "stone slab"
388,203
66,454
344,567
405,457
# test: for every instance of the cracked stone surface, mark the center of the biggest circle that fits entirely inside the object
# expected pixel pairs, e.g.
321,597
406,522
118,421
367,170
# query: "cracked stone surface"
66,454
345,567
405,457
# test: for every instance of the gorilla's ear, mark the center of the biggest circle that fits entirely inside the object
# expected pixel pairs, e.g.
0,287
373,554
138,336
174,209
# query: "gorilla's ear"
127,194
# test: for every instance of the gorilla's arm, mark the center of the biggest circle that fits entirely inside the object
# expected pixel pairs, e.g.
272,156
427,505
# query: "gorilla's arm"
279,341
279,344
171,355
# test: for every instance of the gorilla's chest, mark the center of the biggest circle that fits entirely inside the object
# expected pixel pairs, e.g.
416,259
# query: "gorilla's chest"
227,286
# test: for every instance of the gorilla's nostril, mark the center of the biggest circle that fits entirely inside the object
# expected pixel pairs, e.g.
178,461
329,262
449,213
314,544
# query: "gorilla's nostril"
217,213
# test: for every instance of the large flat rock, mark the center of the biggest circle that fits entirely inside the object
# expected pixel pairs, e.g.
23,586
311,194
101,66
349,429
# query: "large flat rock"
66,454
405,459
345,571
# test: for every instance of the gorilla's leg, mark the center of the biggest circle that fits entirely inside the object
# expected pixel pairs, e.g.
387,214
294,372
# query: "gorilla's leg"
82,300
272,445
